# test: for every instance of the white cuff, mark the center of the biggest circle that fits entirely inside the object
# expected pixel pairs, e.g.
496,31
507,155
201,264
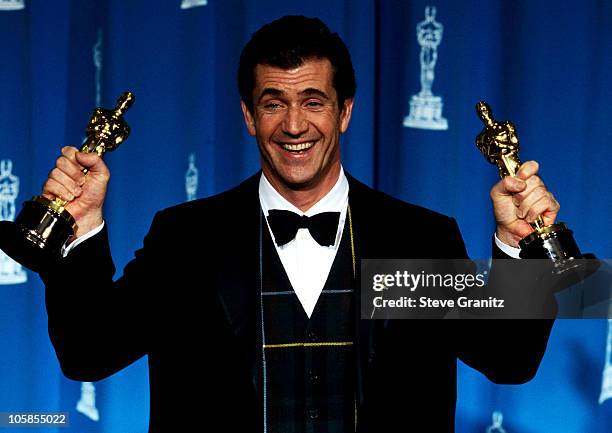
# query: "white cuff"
67,248
511,251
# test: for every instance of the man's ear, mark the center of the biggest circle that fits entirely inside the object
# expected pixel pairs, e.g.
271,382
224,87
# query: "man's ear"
345,114
249,120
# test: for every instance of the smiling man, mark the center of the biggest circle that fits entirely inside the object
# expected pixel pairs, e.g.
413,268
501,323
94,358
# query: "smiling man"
297,119
264,321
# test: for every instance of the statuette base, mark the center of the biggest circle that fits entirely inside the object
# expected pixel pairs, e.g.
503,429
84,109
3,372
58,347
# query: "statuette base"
426,113
556,242
38,233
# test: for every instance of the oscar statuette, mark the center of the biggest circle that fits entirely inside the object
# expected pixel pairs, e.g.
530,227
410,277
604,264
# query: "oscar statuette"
499,144
43,226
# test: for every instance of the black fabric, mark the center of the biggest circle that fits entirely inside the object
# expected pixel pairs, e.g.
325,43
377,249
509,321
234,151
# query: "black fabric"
309,388
189,301
285,224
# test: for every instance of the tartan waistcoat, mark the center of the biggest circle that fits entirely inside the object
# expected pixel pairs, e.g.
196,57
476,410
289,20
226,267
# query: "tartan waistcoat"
309,362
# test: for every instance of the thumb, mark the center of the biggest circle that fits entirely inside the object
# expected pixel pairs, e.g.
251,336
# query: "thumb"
528,169
508,186
91,161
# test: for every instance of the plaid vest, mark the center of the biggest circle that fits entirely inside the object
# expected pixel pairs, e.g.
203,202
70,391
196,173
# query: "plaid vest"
309,362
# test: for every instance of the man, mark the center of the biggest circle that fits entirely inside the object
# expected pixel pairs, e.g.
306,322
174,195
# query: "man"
262,333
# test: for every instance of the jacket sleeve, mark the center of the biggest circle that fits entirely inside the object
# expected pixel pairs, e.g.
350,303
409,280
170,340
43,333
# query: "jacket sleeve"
98,326
506,351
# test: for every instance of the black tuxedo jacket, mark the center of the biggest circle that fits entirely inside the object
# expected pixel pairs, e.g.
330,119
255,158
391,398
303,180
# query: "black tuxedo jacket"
188,300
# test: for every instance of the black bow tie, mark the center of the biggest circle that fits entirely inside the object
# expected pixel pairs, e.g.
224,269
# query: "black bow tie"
285,224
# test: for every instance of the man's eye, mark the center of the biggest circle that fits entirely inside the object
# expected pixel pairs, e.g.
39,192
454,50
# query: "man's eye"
272,106
313,104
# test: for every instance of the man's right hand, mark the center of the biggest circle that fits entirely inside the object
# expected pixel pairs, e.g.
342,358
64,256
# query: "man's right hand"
85,192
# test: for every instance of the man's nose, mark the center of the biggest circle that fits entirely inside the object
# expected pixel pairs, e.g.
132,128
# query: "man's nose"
295,123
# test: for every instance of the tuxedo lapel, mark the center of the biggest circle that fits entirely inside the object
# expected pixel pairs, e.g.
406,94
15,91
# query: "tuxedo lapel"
237,274
363,230
237,258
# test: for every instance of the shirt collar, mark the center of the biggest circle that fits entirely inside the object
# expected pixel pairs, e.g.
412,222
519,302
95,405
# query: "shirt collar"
334,201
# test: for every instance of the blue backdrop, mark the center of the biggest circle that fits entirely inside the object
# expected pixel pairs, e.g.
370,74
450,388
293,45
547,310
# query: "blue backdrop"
544,65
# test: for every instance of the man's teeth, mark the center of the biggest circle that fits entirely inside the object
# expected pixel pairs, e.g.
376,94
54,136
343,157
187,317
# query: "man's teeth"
297,147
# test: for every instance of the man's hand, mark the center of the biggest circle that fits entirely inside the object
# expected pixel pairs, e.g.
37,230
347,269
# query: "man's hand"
519,200
85,192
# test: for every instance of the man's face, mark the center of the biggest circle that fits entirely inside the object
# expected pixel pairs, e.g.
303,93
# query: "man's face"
297,123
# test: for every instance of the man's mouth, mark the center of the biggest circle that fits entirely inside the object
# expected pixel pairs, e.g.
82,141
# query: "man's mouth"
297,148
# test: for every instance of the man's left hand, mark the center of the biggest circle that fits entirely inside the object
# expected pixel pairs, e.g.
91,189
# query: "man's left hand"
519,200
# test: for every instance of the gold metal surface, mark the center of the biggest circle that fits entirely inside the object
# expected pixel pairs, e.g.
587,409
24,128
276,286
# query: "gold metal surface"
321,344
499,144
105,131
55,204
545,232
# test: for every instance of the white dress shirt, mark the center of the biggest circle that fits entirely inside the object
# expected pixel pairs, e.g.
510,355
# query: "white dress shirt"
508,249
307,263
72,245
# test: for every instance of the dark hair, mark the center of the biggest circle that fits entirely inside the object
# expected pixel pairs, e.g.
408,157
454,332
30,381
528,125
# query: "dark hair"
289,41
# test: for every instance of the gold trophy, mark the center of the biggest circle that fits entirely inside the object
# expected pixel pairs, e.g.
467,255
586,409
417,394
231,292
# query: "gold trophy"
43,226
499,144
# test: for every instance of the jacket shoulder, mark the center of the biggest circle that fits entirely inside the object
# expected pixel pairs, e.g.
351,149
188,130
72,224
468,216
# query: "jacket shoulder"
392,227
382,203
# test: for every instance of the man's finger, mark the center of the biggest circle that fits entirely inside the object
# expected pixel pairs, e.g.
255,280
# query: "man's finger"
533,183
70,152
53,188
527,170
546,206
524,203
69,183
508,186
71,168
88,160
